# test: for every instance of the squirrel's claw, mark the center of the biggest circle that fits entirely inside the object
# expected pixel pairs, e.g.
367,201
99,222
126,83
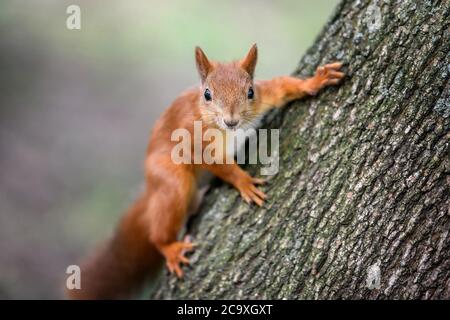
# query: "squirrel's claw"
250,193
174,254
326,75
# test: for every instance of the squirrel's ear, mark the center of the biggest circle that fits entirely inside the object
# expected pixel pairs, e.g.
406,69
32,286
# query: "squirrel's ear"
249,62
203,64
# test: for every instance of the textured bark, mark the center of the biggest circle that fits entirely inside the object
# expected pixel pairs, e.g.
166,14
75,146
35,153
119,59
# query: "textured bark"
364,174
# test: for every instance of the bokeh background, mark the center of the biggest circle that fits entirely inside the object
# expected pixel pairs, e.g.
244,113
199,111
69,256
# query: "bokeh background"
76,109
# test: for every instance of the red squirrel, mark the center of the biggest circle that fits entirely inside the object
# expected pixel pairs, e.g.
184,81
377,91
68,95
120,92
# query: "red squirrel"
226,98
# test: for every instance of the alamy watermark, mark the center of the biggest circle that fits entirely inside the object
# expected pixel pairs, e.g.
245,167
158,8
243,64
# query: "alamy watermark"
73,281
215,146
373,280
73,21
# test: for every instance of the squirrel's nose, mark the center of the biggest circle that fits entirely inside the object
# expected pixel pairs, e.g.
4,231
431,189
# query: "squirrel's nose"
231,123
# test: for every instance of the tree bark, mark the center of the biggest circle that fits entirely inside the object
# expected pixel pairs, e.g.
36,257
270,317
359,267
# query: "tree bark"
363,187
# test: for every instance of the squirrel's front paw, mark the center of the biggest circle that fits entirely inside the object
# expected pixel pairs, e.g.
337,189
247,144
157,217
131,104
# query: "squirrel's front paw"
249,192
326,75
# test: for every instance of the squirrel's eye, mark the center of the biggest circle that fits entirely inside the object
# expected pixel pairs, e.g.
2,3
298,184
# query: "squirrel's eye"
207,95
250,93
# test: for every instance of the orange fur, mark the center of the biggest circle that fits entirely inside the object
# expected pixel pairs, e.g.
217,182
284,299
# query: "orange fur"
157,218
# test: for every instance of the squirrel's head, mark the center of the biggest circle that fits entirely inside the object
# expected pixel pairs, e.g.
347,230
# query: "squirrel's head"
227,93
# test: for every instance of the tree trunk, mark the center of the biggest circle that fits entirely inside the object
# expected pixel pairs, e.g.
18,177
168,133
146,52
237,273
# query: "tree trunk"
360,206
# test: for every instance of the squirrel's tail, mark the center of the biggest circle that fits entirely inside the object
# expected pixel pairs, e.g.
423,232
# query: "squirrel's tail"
118,268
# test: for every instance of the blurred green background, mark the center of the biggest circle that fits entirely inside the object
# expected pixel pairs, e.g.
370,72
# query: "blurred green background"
76,109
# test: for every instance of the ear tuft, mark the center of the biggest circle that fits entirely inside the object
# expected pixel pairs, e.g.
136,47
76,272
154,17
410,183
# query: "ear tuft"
249,62
204,67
